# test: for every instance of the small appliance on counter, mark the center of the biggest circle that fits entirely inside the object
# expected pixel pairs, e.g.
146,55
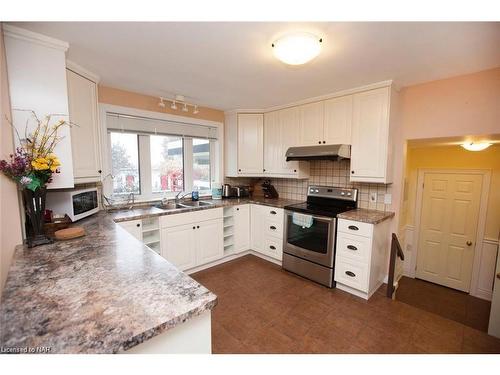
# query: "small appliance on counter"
242,191
77,204
269,190
229,192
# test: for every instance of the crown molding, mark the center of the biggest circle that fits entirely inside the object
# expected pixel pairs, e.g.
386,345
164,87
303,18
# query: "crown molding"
30,36
355,90
78,69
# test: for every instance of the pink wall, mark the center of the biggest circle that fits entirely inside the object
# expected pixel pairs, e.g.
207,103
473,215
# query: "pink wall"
464,105
458,106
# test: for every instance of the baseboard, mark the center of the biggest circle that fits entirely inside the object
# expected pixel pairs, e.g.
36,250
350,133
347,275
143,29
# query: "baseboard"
230,257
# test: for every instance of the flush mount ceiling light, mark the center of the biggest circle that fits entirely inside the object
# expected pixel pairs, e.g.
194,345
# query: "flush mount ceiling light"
472,146
297,48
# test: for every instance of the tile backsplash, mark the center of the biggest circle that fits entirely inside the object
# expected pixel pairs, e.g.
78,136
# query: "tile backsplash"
330,173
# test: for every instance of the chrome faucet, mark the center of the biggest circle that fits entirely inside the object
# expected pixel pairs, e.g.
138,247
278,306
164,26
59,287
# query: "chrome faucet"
131,197
178,197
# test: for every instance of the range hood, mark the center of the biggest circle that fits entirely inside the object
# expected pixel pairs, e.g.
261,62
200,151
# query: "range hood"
322,152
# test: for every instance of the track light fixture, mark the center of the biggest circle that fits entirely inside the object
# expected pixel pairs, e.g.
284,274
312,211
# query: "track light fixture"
179,99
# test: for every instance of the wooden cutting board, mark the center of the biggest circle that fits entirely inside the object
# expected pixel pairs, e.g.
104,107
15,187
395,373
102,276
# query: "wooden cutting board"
69,233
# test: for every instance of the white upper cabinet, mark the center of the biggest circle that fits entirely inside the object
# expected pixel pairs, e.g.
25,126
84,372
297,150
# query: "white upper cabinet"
82,94
250,143
36,66
281,131
362,119
370,136
272,143
338,120
311,124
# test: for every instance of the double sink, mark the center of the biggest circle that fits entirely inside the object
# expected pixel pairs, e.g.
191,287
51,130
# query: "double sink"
181,205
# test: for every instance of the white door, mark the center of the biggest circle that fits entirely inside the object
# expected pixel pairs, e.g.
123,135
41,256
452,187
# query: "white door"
370,126
82,101
494,326
250,143
178,245
311,124
448,226
338,120
134,227
256,227
209,241
241,215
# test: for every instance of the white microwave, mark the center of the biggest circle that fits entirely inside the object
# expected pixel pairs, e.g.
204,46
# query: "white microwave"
77,204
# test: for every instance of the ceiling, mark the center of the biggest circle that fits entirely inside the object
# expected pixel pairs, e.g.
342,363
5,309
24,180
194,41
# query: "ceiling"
231,65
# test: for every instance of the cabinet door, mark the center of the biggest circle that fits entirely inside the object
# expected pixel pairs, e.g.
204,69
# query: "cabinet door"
290,136
338,120
209,241
178,245
311,124
82,100
241,216
272,143
250,143
256,228
134,227
370,128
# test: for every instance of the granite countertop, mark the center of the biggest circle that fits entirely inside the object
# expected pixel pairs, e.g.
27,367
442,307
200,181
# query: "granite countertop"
102,293
152,211
366,216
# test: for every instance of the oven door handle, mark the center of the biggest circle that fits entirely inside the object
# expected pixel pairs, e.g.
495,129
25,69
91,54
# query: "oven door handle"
315,217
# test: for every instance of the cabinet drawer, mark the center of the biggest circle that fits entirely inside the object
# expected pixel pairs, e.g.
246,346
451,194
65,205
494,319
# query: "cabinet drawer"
275,214
352,274
355,227
353,247
174,220
273,247
274,228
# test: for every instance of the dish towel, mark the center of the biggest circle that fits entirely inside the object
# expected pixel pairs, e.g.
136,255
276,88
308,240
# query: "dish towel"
305,221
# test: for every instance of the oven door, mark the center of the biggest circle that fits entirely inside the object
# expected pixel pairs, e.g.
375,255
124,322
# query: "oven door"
316,244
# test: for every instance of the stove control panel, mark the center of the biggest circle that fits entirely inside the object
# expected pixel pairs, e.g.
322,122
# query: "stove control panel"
333,192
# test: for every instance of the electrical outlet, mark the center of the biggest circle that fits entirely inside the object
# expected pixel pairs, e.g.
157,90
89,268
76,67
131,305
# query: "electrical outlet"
387,198
373,197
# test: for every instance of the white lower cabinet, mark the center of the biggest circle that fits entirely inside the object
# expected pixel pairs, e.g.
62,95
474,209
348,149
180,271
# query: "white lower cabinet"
361,260
134,227
267,230
192,239
209,242
179,245
241,217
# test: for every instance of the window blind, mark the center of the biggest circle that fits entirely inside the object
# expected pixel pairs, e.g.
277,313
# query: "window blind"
127,123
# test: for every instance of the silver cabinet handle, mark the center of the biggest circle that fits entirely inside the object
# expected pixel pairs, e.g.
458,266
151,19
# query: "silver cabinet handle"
353,227
351,247
349,273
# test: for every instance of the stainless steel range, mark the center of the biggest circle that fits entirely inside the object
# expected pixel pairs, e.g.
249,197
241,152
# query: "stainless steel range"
309,245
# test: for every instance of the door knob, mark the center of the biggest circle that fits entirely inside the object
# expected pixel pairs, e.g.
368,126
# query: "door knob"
469,243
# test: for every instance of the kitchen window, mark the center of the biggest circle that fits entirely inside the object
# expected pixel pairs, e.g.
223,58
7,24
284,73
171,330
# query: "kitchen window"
152,165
